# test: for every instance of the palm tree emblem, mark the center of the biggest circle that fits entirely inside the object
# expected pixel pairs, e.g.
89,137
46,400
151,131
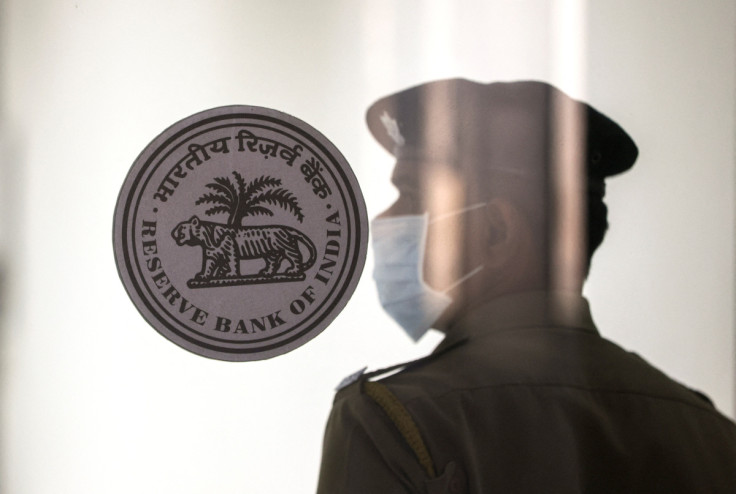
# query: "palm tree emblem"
286,252
240,199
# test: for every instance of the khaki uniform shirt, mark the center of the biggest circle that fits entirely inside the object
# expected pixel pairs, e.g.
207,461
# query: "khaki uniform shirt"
524,396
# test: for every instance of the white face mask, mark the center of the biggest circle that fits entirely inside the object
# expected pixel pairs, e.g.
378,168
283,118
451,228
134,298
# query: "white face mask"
398,246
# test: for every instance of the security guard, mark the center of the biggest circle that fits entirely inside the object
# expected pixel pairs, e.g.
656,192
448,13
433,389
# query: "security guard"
523,395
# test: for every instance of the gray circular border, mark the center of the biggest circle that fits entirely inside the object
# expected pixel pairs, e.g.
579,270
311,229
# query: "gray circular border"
336,298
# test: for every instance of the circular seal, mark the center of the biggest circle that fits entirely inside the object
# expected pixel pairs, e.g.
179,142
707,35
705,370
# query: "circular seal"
240,233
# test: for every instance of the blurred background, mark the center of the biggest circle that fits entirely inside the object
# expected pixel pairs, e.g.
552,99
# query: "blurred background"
95,400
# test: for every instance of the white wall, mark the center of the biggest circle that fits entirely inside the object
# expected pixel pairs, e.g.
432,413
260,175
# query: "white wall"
94,400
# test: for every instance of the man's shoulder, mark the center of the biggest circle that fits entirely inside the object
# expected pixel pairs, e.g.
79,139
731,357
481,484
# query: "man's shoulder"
541,360
534,362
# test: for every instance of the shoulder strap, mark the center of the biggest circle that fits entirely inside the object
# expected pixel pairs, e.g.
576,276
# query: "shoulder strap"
403,422
396,411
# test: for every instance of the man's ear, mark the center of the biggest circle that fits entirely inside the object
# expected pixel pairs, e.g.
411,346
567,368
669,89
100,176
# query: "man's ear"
503,230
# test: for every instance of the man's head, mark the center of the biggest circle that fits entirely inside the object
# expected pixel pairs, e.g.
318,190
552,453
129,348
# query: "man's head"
526,152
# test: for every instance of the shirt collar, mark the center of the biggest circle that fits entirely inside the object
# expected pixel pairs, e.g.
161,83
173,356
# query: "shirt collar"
522,310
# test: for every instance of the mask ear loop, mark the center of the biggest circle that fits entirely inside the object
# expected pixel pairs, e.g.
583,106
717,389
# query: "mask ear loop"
464,278
475,271
459,211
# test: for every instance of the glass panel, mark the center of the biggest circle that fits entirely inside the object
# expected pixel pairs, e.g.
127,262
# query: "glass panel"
93,400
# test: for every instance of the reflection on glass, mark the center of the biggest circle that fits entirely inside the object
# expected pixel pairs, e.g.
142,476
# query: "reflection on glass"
500,210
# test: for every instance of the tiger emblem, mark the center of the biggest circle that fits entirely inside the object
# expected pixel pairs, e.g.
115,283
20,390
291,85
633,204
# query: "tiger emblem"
223,247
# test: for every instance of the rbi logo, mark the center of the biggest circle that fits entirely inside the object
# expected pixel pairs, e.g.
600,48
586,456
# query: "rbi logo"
240,233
